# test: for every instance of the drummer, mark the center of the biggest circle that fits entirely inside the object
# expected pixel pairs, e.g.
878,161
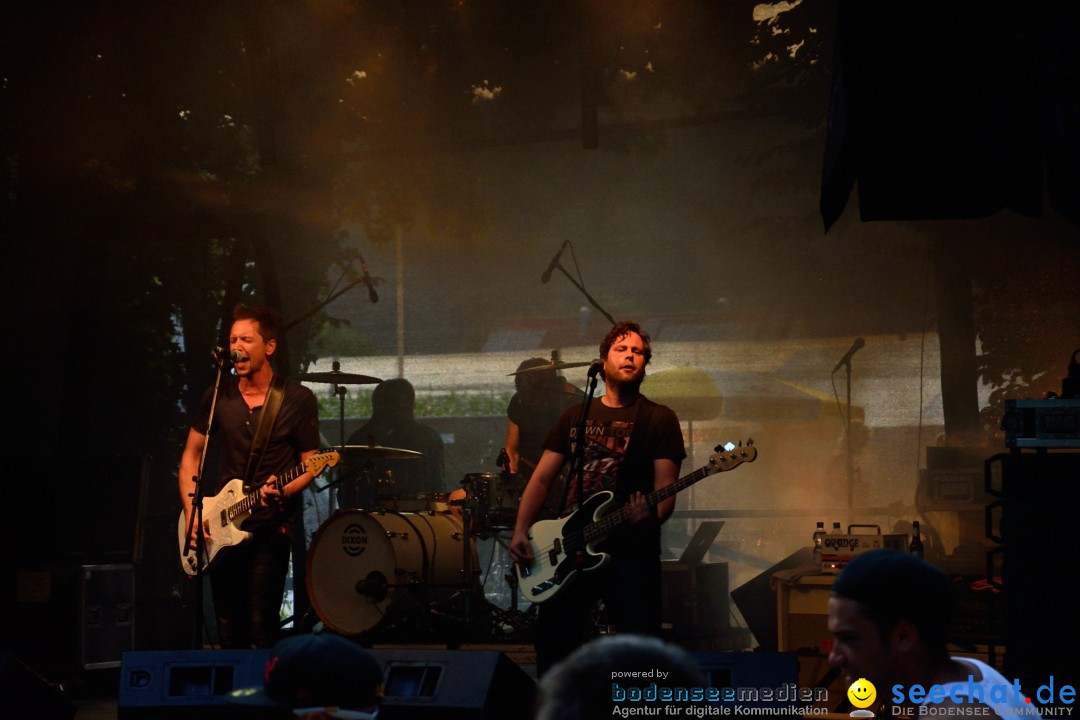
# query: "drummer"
541,397
393,424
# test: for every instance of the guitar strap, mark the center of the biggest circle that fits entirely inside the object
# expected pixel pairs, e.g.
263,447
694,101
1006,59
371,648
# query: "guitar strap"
266,425
635,447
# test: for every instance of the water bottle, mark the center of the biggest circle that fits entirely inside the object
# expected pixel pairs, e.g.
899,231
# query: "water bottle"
916,546
819,542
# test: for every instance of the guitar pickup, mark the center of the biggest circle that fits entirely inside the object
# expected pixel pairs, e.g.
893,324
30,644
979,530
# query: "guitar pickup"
541,588
555,552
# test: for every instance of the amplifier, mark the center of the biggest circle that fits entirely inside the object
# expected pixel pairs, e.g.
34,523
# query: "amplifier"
837,550
1050,423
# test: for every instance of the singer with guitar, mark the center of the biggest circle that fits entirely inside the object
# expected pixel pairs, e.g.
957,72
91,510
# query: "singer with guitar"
633,446
247,580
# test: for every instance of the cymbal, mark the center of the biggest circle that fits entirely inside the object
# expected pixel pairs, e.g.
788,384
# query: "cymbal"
553,365
339,378
381,451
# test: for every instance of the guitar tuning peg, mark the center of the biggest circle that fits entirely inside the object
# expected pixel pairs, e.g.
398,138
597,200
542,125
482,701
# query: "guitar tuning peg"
749,442
740,443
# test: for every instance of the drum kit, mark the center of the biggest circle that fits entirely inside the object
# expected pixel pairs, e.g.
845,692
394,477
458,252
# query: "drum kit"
411,562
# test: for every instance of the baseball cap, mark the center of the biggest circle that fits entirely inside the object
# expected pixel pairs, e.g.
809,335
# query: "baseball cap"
318,671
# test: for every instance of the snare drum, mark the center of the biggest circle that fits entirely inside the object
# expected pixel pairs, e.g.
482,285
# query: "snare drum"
363,566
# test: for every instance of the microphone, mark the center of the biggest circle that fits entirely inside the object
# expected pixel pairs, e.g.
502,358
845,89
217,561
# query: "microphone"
855,347
554,263
372,295
373,586
595,367
234,356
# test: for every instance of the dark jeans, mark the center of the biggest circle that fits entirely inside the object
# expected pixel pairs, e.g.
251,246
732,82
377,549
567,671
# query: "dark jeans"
630,588
247,582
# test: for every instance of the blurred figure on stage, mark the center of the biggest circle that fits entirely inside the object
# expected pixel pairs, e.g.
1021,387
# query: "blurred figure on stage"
393,424
541,397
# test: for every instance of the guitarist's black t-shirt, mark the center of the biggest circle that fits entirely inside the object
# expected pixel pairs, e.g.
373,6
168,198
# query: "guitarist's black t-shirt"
296,429
610,461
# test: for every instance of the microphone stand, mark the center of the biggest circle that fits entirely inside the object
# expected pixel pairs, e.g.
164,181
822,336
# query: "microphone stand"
579,286
196,520
850,460
577,465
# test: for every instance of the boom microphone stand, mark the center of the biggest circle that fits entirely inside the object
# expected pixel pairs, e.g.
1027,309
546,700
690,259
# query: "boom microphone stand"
845,362
196,520
555,264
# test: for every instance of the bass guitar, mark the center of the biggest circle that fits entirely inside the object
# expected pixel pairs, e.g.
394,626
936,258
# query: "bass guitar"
555,543
223,513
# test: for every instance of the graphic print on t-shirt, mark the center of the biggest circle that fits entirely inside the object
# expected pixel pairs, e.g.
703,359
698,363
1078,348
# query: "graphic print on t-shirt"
605,449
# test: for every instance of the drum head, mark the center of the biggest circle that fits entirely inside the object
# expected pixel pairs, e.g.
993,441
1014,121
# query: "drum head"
352,568
363,567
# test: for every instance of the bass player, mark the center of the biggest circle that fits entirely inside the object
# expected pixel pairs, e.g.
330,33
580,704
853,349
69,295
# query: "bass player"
633,446
247,580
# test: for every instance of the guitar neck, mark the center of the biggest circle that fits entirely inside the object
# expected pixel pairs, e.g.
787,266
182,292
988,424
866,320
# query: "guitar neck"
250,501
603,526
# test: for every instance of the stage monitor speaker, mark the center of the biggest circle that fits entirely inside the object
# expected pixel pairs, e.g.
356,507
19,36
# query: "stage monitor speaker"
453,684
185,683
26,695
756,600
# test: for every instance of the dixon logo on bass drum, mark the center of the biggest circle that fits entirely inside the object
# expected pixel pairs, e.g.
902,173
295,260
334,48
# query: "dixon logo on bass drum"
354,540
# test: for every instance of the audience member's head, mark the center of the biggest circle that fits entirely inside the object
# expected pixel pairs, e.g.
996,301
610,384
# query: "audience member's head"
580,686
315,676
889,615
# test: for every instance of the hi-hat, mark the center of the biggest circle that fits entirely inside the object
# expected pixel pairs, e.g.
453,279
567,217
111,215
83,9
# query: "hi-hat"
553,365
339,378
380,451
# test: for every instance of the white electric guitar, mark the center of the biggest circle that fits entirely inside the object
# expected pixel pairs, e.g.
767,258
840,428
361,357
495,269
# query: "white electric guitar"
223,513
555,543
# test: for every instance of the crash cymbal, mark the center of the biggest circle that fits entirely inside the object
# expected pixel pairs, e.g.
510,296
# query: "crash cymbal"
380,451
553,365
339,378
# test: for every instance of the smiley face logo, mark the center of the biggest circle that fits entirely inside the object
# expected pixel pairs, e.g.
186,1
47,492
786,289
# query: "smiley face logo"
862,693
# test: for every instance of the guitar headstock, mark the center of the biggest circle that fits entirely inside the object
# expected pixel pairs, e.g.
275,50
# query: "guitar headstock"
317,462
731,456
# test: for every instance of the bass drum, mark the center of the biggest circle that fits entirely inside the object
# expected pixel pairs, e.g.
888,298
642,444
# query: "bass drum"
363,567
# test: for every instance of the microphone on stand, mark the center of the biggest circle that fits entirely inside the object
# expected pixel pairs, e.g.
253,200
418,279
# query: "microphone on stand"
554,263
855,347
595,367
372,295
